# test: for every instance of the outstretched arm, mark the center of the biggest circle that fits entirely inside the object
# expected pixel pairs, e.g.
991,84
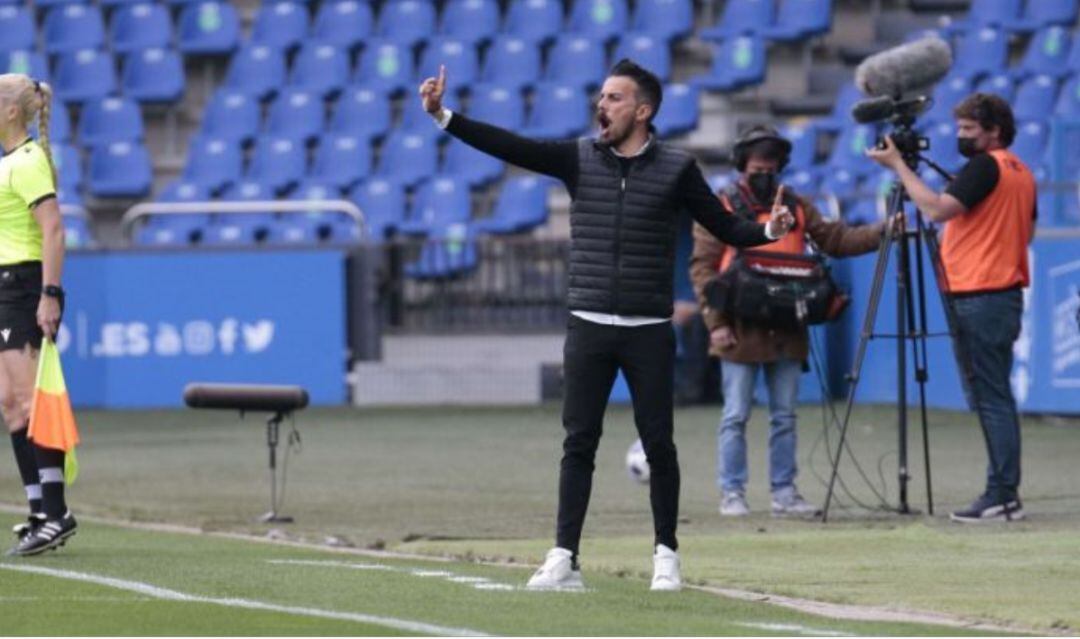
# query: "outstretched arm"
729,228
557,159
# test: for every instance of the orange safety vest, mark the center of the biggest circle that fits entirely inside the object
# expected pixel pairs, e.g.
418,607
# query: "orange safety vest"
985,249
739,202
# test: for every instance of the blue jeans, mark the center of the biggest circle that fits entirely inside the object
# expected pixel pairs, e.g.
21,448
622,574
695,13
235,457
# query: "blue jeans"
782,379
987,326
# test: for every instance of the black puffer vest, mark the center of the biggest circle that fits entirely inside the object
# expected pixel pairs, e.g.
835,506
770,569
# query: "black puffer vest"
622,230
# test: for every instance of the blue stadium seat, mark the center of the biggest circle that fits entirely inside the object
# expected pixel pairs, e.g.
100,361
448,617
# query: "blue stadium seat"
320,68
25,61
741,17
986,13
248,190
577,60
361,112
407,22
1035,98
238,229
805,182
386,66
140,26
1068,102
17,31
120,169
947,94
720,181
292,230
45,4
512,62
497,105
182,190
599,19
1030,142
1000,84
295,114
459,57
849,149
110,120
799,19
1047,53
280,24
279,162
314,189
803,145
476,168
208,28
449,252
231,115
440,200
177,230
679,112
68,166
521,206
473,21
84,75
59,124
345,23
536,21
77,232
1042,13
737,63
256,69
342,160
153,75
980,52
73,27
846,97
650,52
667,19
558,111
113,4
383,204
408,157
943,150
213,162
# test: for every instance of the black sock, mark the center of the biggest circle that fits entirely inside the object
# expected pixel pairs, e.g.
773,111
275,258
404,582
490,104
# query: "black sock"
28,470
50,464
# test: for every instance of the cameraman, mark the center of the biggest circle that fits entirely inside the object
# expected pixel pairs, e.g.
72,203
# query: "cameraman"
990,213
743,347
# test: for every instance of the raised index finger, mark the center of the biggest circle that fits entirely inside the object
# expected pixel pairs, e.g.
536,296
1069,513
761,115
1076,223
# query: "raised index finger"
779,197
440,84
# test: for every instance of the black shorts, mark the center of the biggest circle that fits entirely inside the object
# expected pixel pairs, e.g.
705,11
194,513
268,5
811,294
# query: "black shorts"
20,294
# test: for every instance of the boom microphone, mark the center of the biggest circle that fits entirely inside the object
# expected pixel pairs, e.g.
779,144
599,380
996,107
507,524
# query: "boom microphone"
883,107
246,397
908,67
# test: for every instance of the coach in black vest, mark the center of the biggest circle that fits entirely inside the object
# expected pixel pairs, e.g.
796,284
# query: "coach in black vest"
627,188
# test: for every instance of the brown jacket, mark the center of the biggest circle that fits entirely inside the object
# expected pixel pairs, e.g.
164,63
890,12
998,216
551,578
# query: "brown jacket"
758,344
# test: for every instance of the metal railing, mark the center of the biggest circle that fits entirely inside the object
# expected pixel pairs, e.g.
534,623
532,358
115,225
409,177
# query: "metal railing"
145,209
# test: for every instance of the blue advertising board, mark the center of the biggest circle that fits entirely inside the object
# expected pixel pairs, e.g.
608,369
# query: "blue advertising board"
139,326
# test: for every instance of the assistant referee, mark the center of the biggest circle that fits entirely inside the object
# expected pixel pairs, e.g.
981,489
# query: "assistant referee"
31,300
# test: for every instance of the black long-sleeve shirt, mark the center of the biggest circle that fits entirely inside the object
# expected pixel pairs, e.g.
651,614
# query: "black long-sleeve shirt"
559,159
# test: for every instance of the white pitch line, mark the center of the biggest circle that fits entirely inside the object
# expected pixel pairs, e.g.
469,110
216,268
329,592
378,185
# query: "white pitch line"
166,594
794,629
480,583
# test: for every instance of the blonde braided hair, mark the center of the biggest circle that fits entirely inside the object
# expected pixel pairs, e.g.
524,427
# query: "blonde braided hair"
34,100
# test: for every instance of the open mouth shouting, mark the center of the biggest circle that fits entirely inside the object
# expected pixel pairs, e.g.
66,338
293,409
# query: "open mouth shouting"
605,124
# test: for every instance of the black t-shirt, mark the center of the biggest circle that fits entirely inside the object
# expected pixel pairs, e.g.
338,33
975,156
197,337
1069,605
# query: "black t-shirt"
975,181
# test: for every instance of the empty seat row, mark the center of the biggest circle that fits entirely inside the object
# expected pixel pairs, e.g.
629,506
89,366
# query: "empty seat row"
150,75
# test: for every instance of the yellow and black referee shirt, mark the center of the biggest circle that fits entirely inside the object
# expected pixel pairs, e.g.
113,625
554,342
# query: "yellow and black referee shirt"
25,181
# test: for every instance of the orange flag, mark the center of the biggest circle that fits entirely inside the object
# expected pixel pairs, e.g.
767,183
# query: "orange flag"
52,424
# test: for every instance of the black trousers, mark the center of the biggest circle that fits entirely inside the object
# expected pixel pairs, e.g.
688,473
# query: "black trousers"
592,357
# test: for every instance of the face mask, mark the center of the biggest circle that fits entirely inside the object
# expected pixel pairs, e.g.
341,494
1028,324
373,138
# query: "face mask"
966,146
763,186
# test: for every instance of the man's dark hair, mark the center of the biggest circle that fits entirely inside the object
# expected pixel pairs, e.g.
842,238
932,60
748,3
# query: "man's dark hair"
989,111
648,85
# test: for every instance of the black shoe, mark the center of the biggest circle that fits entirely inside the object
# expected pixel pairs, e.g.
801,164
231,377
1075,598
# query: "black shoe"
986,508
29,526
50,535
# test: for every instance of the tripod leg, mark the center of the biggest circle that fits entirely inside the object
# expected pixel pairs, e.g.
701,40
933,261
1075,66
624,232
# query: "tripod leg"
877,285
921,356
903,332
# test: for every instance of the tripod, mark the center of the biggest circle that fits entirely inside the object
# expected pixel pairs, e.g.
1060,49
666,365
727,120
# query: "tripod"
910,302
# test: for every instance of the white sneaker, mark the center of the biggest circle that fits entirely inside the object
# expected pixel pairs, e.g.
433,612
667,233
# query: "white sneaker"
788,502
666,575
557,573
733,504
